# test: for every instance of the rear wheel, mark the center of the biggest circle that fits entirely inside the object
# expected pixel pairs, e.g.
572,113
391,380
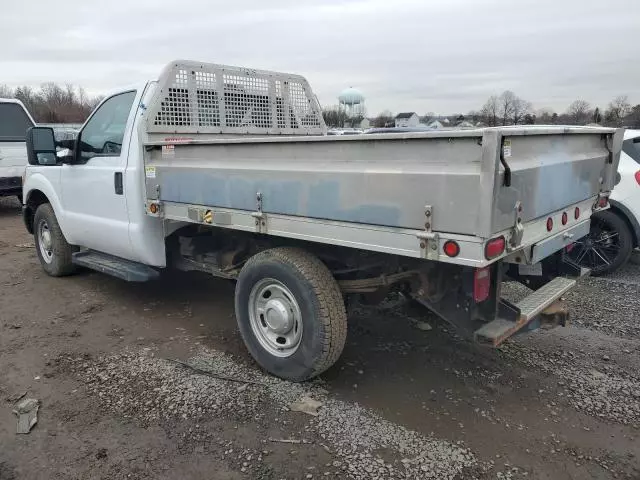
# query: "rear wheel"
54,252
290,313
607,247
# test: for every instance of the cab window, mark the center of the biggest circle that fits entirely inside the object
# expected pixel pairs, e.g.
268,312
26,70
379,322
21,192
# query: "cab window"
631,147
14,123
104,132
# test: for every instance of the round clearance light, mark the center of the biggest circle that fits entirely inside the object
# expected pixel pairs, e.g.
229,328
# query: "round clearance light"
451,248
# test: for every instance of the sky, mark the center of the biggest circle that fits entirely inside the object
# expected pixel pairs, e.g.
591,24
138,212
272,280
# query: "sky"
441,56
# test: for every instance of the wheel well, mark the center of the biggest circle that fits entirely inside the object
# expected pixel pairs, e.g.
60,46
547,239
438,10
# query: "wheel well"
627,220
34,200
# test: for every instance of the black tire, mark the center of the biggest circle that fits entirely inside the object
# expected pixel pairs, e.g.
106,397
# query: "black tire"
323,315
59,264
607,247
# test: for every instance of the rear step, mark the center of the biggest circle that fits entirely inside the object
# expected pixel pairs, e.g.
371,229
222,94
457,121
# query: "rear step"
115,266
497,331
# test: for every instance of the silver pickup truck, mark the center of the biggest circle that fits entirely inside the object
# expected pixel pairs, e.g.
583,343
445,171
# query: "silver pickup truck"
229,171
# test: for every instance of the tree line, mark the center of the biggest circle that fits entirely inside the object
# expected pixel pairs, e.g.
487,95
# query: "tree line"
52,103
509,109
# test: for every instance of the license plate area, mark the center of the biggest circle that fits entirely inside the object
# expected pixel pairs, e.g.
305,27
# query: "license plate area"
559,241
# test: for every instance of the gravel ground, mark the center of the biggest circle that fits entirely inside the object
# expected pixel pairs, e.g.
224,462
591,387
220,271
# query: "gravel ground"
149,389
408,399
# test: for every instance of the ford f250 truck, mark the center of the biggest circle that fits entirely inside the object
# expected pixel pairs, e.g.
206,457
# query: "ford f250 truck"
14,122
229,171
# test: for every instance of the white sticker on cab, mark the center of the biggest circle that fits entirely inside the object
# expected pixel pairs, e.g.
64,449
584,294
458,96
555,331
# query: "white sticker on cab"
150,172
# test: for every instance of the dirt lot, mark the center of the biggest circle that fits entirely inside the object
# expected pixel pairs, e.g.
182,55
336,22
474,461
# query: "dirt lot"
403,402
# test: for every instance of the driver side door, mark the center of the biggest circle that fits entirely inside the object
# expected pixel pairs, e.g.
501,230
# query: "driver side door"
93,194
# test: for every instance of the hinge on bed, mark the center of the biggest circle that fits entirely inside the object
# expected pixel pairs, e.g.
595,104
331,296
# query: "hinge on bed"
518,228
429,239
259,216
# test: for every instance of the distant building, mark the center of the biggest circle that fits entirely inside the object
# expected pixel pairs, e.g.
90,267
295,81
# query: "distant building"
435,125
407,119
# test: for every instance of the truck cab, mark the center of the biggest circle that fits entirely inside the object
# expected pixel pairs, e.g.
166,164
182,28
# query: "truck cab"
14,122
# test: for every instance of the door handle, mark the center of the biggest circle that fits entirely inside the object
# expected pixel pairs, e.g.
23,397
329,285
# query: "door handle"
117,183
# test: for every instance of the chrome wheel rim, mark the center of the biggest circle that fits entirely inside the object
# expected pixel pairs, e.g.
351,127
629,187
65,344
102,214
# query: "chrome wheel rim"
45,241
275,317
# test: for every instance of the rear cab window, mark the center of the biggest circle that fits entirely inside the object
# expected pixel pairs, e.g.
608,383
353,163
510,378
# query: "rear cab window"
14,123
631,147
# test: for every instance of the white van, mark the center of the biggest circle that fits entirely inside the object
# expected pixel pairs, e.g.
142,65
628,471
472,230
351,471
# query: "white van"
14,122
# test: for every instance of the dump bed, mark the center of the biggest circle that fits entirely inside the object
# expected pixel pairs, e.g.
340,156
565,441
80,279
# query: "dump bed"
388,179
473,183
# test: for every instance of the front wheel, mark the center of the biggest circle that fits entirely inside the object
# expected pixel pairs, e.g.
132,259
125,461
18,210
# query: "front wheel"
54,252
290,313
607,247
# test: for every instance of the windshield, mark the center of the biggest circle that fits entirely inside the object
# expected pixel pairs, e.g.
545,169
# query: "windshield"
14,123
632,148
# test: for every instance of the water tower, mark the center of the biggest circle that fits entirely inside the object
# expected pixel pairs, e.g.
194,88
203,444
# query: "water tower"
352,102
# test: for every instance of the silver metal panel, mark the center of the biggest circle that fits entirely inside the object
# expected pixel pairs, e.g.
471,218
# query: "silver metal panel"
379,239
370,181
535,303
548,247
197,98
550,172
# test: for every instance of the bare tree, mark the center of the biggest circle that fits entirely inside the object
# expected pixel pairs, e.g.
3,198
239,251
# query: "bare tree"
522,109
6,91
545,116
579,112
334,117
618,109
489,111
597,116
384,119
633,118
507,102
53,103
426,119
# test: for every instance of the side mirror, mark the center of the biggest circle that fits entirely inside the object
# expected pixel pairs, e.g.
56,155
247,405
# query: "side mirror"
41,146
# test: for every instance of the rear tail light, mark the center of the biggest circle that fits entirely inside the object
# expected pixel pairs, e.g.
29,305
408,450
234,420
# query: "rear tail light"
638,177
576,213
451,248
494,248
481,284
565,218
549,224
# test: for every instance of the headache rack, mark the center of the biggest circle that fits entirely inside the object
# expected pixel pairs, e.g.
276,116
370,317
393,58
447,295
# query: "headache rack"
206,98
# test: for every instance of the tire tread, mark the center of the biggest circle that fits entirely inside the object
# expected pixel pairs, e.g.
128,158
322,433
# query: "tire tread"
330,304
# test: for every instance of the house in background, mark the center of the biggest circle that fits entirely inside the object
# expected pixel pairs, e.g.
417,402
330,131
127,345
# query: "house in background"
435,125
407,119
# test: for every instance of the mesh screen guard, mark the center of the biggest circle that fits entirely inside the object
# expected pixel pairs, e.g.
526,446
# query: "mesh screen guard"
195,97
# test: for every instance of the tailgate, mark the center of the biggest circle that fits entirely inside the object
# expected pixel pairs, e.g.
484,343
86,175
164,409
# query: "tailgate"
552,168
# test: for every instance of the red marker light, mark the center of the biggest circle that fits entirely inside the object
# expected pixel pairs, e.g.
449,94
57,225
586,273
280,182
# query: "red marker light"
549,224
494,248
576,213
481,284
451,248
638,177
565,218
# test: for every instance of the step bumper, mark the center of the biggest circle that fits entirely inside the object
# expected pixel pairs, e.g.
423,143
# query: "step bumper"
498,330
